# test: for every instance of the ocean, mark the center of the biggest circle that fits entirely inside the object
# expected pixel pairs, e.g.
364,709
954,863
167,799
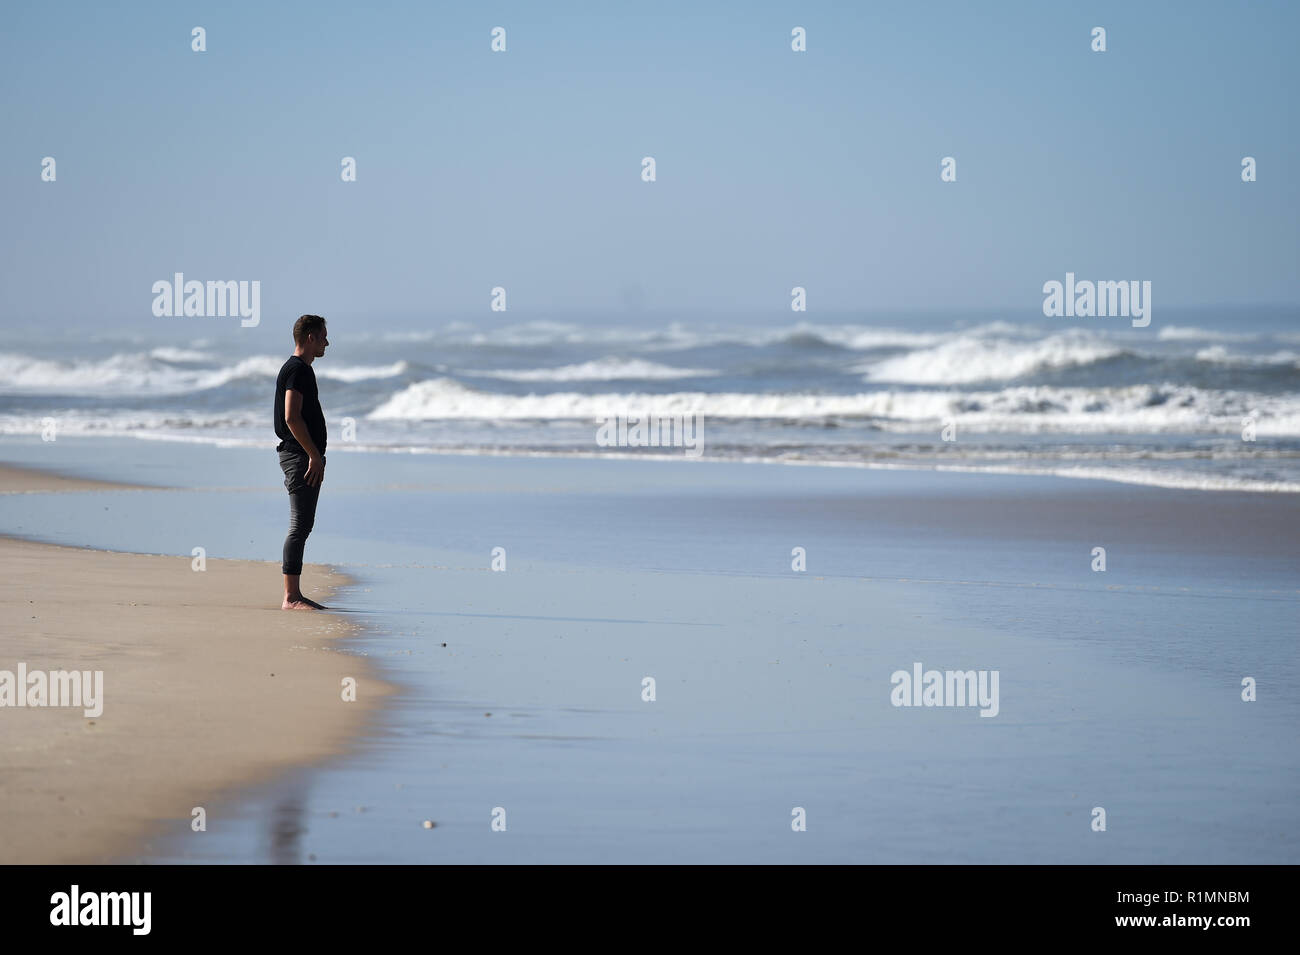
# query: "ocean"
1202,398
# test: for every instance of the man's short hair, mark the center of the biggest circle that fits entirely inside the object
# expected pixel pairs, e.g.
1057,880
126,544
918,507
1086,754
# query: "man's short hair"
306,325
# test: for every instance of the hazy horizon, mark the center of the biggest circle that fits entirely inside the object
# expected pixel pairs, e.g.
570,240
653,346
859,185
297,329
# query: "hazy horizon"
522,169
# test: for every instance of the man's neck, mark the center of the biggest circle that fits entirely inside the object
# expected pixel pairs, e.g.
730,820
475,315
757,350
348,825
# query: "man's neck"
308,358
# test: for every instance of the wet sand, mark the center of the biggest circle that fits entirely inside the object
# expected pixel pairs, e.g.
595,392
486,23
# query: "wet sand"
207,687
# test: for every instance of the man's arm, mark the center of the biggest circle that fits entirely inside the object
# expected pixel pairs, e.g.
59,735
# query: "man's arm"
298,428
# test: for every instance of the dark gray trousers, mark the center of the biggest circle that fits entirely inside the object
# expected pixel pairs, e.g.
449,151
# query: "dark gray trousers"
302,509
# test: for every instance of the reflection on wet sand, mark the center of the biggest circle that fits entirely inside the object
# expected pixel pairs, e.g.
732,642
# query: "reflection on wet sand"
287,828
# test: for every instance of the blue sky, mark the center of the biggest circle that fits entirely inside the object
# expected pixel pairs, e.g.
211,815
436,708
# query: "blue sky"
522,169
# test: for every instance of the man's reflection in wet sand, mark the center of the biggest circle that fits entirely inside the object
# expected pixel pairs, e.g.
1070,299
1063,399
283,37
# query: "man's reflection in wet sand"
287,829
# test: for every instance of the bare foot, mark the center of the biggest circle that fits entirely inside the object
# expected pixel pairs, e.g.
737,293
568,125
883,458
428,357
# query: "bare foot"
299,602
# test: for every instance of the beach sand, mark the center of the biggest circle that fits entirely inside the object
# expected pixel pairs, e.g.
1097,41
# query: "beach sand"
207,686
523,687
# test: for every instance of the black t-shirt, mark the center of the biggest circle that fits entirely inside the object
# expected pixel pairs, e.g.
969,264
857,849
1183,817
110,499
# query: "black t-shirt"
296,375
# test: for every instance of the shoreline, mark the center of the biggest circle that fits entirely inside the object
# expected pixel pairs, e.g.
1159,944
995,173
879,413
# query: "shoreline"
208,688
1165,480
1170,481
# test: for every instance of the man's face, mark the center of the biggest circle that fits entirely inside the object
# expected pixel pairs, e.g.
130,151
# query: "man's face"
319,341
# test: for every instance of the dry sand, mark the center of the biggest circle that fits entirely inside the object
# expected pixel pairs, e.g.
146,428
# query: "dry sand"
207,686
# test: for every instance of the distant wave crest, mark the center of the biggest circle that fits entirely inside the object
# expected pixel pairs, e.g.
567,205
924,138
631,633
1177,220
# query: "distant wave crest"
972,358
601,369
155,373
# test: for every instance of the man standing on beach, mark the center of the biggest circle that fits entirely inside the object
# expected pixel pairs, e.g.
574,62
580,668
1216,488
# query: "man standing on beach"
300,425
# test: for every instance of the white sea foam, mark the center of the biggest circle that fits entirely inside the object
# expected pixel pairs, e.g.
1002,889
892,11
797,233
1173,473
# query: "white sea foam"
972,358
118,422
352,373
268,366
602,369
155,373
441,398
1217,354
853,337
1110,463
1179,333
167,353
227,431
122,373
1146,409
